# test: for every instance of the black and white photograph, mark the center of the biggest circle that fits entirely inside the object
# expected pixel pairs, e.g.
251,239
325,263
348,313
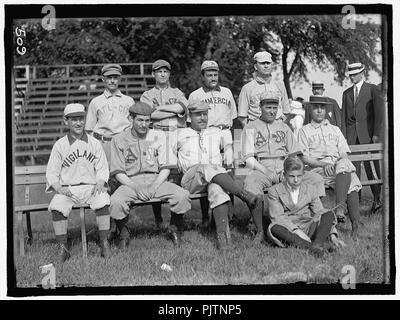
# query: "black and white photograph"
199,149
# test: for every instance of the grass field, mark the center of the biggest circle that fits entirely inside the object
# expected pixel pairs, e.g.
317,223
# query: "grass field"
196,261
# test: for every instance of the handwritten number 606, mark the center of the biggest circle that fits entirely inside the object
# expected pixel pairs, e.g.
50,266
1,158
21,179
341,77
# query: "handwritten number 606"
20,32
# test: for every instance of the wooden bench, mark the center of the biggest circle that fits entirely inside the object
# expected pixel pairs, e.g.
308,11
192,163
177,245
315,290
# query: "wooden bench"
29,176
359,153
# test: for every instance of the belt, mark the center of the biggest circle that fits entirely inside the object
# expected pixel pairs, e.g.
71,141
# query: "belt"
79,184
272,158
100,137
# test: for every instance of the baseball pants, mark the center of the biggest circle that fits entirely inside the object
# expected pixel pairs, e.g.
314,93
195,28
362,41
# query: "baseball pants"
83,193
198,179
341,166
121,199
257,181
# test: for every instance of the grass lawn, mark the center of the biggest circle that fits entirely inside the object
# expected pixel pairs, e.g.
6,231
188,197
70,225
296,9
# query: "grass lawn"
196,261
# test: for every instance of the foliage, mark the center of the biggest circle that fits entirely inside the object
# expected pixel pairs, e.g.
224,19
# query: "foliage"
294,41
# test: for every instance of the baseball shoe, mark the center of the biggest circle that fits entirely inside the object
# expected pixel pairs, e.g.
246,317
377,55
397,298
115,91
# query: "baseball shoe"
105,250
64,253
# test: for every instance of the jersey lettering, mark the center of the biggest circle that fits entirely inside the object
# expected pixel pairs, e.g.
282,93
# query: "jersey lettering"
130,157
260,139
75,155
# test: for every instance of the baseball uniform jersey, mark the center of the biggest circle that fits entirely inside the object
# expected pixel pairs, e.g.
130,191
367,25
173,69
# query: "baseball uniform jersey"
78,164
141,159
325,142
222,105
271,143
156,97
200,159
249,98
108,113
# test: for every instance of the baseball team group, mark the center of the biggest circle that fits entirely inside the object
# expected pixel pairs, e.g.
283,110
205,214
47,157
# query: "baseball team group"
120,152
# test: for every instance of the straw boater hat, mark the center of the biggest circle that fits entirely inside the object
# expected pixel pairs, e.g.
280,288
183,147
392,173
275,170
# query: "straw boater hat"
355,68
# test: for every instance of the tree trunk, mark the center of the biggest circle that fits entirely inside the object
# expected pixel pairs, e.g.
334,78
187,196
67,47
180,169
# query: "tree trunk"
286,74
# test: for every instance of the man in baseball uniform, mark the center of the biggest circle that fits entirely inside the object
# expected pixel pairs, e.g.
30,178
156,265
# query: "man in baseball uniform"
200,160
220,99
108,113
249,98
333,113
141,162
266,142
325,151
170,110
78,171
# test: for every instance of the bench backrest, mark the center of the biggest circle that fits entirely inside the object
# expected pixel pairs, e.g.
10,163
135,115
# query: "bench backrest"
366,152
28,176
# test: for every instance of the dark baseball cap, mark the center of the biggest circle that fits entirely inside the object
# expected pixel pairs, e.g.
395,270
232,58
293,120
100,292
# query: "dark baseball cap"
160,64
141,108
111,69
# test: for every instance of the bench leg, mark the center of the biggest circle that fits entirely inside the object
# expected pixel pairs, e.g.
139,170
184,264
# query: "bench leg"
29,227
21,239
83,232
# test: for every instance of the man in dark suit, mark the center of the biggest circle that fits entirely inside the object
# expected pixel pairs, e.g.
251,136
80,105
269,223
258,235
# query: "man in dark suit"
362,119
333,113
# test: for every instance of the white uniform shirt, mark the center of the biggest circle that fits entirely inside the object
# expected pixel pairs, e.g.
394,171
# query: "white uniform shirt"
203,147
222,104
108,113
74,162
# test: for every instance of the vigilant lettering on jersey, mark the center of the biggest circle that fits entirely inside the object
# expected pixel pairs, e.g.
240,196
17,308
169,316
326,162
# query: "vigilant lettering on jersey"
260,140
75,155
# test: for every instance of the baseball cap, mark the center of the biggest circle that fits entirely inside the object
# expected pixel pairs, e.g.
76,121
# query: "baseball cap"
159,64
319,100
74,109
209,65
141,108
355,68
111,69
267,98
198,106
262,56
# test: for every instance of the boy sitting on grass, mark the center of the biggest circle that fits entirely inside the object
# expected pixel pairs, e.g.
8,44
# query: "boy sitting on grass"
297,215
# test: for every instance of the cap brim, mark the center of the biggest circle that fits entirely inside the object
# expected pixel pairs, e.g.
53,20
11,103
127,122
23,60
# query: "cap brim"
210,68
111,73
75,114
267,60
196,111
161,67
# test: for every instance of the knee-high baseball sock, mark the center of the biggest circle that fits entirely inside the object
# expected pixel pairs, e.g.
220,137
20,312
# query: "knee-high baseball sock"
103,222
342,187
220,214
353,205
289,238
123,228
324,227
227,183
176,223
60,224
257,214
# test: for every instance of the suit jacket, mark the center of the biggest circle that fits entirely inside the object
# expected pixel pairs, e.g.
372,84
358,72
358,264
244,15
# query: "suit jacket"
284,212
364,119
333,113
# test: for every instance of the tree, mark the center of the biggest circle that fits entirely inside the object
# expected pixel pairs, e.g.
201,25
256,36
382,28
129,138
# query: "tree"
321,40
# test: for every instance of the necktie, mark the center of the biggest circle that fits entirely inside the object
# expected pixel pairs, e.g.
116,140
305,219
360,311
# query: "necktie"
355,94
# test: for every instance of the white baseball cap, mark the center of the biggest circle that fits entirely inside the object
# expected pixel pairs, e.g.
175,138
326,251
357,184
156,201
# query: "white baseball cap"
74,109
262,56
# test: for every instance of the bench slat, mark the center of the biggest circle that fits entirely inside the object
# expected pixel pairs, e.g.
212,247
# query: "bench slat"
366,147
30,170
366,157
30,179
